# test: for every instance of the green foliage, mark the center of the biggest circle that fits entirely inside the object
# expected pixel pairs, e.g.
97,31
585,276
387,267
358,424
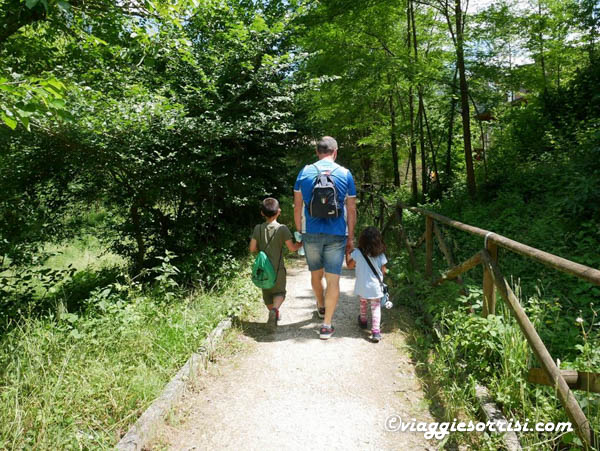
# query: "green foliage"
208,102
80,379
541,180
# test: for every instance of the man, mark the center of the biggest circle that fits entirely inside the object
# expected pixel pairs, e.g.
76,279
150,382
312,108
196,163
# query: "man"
325,241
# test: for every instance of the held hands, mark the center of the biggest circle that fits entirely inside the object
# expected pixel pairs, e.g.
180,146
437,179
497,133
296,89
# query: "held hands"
350,263
349,245
299,243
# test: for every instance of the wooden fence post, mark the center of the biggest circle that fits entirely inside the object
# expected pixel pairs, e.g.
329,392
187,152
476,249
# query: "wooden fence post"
429,245
567,399
489,290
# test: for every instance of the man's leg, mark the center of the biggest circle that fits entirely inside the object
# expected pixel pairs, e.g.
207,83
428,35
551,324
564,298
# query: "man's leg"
331,296
316,280
333,258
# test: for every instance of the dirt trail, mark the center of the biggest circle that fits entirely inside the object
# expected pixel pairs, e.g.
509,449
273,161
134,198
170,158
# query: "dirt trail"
290,390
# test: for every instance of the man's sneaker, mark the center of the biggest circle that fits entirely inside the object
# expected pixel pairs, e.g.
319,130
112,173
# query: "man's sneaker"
272,321
326,332
321,312
376,336
362,324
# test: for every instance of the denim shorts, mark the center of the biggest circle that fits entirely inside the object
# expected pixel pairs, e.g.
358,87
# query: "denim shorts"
324,251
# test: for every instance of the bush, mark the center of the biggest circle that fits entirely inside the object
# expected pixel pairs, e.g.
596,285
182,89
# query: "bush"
80,379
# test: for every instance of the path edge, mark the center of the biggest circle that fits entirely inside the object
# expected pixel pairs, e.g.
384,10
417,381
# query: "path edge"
491,412
144,429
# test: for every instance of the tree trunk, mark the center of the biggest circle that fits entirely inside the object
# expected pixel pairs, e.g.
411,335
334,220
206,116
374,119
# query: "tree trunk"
139,238
411,109
431,146
451,130
422,147
541,42
413,148
394,142
365,163
424,177
464,99
482,132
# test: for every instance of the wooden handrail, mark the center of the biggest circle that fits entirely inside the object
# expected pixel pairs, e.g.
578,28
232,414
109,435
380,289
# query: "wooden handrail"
567,399
493,279
562,264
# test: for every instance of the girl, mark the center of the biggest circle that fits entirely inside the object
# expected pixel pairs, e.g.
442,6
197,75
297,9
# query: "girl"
367,286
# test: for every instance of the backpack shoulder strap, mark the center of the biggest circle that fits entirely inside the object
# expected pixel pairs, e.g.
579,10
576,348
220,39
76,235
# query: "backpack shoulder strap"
371,266
272,236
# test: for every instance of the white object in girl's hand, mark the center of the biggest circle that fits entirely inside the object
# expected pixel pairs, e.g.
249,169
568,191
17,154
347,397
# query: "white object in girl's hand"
388,305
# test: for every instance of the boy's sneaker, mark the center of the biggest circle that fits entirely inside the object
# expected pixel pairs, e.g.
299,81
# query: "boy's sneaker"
376,336
277,314
361,323
321,312
326,332
272,321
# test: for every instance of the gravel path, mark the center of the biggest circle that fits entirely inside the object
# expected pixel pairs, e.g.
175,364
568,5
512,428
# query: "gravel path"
286,389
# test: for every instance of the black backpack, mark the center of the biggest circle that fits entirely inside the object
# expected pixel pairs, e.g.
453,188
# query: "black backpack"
324,201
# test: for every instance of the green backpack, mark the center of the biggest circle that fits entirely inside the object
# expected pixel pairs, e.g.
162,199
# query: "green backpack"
263,273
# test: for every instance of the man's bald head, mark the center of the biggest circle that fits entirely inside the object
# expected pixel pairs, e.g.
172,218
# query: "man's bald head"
327,146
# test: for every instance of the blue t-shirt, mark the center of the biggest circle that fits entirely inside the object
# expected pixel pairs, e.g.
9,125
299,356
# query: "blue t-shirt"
344,185
367,285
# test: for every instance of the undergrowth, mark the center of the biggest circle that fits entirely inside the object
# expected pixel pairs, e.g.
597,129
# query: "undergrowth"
461,349
79,379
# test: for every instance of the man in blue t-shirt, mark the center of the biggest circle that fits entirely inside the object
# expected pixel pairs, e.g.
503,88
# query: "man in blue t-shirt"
326,240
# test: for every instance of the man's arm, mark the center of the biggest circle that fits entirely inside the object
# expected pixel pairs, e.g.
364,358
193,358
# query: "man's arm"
351,219
298,206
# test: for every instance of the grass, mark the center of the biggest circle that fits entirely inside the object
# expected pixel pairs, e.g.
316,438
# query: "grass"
81,379
82,253
461,349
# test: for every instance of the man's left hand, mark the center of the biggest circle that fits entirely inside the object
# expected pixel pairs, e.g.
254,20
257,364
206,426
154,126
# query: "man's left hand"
349,245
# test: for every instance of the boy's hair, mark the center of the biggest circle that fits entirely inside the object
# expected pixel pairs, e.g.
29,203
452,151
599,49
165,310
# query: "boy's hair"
371,242
269,207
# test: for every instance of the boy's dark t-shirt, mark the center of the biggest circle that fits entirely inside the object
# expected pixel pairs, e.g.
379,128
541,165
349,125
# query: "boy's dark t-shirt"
279,233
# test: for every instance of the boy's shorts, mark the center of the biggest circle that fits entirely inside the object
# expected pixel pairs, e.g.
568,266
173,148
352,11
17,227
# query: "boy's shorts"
324,251
277,290
269,295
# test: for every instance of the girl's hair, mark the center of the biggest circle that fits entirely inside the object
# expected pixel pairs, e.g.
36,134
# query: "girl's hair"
371,242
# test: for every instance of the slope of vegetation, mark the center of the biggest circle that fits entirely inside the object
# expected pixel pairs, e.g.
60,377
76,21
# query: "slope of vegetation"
137,138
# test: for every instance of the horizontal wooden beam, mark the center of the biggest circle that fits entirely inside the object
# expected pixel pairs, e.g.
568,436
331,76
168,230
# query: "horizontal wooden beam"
445,249
577,380
562,264
457,270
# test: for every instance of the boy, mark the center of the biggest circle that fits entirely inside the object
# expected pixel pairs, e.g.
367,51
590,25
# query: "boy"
270,238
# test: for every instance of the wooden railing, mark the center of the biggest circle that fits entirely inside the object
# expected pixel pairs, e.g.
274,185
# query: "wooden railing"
493,280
